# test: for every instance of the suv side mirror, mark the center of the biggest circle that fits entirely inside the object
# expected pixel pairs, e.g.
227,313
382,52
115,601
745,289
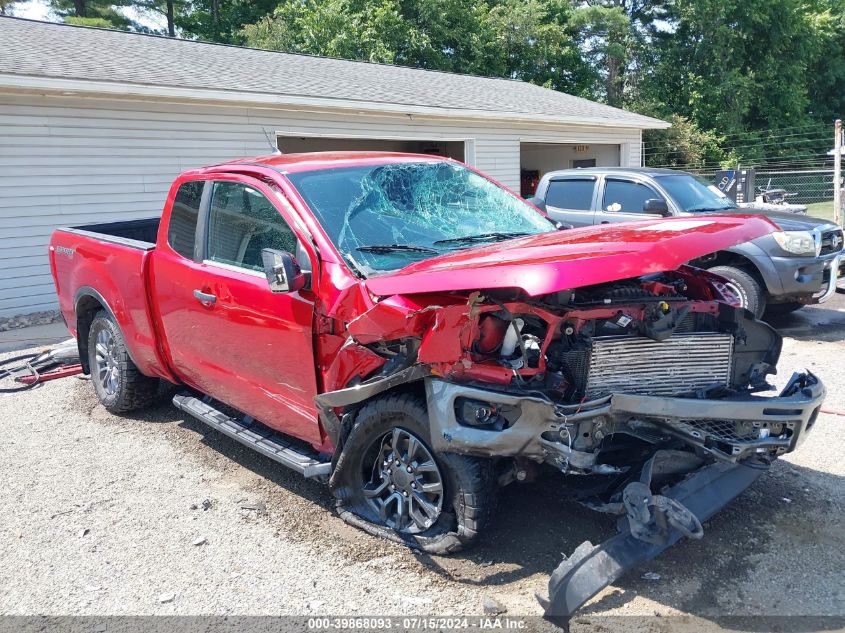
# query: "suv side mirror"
656,205
282,270
564,226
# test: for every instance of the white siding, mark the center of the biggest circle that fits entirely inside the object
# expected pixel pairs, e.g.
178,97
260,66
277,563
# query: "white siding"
72,160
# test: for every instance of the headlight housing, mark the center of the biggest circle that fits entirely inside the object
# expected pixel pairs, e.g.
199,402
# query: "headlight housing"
797,242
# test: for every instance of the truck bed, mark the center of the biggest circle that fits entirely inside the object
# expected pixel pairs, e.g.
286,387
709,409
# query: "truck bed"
106,266
134,233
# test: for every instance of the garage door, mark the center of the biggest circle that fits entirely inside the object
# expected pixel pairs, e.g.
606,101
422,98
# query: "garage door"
537,159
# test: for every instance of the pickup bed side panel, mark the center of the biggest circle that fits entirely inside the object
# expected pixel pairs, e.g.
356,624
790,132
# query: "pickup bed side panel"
115,274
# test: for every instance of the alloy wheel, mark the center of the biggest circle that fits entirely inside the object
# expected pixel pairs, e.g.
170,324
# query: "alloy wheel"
405,487
108,369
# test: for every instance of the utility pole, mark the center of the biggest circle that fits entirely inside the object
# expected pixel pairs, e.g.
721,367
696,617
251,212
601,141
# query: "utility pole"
837,172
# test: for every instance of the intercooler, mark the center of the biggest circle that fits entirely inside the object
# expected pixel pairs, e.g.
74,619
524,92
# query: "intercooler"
639,365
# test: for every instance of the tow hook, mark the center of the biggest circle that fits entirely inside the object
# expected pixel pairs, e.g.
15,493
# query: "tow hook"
650,525
650,517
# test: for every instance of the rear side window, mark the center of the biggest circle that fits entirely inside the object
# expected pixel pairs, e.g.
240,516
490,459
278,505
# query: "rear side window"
241,223
575,194
624,196
182,231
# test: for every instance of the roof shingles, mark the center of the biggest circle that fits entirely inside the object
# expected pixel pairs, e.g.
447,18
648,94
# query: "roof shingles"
39,49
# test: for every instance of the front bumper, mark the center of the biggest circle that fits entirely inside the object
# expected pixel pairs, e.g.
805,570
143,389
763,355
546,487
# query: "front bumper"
728,429
809,279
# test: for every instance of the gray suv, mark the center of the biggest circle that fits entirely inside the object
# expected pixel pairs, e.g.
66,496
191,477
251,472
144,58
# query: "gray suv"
780,272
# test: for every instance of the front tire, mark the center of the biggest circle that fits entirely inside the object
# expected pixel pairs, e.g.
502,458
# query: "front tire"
118,383
745,286
389,482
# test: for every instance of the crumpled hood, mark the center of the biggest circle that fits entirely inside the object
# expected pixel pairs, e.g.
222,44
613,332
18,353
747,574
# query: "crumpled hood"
562,260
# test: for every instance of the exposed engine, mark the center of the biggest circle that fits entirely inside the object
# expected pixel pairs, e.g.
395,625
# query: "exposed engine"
585,379
650,336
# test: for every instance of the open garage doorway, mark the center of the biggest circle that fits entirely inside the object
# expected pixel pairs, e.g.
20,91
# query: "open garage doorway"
450,148
536,159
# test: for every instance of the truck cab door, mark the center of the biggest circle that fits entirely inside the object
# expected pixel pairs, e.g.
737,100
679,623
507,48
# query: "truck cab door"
229,335
624,200
570,199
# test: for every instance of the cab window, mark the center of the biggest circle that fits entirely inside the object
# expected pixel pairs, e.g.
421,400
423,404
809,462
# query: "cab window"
625,196
572,193
242,222
182,230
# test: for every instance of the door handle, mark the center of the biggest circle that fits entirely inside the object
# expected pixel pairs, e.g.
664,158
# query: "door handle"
205,298
602,222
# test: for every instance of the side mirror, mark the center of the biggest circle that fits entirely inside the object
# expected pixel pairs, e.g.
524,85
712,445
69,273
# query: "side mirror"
563,226
282,270
656,205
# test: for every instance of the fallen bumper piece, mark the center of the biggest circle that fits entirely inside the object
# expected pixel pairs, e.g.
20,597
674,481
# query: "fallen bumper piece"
666,519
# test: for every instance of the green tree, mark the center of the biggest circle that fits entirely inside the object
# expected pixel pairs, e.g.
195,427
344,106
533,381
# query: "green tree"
94,13
607,37
733,65
683,145
6,6
522,39
220,20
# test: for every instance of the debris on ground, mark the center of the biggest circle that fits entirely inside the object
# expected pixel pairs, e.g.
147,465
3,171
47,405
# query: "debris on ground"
200,541
650,575
491,606
166,597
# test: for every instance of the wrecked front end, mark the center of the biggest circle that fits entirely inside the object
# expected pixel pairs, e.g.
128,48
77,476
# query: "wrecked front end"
652,383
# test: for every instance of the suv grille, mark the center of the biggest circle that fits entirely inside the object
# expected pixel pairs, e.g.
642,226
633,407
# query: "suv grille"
831,241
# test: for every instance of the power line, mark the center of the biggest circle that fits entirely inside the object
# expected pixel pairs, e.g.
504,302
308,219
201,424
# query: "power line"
777,131
818,139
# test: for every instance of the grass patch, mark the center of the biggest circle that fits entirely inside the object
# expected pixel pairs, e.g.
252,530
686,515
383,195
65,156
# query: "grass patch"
821,210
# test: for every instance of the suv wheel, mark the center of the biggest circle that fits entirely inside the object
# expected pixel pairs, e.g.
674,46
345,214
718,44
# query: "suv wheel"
742,284
389,482
117,382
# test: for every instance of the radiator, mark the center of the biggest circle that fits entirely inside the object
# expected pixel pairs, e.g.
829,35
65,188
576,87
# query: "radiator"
682,363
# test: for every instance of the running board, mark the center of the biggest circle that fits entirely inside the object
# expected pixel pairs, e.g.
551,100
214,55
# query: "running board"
252,433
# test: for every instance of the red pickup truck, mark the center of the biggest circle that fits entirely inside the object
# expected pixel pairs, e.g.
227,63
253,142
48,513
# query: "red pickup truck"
416,335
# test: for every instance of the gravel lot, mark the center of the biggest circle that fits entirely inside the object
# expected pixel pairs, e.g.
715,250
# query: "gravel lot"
155,514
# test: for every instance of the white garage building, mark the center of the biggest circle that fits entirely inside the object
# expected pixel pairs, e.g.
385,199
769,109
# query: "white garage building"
96,123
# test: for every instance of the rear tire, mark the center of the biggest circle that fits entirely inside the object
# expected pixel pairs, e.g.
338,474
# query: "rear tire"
391,434
743,284
118,383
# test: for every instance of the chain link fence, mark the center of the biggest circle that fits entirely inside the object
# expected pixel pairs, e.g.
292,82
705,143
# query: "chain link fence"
808,186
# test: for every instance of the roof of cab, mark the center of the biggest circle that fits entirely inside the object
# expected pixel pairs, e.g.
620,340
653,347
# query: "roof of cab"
310,161
594,171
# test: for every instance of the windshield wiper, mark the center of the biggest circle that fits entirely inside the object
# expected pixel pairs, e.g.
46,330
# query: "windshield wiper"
483,237
395,248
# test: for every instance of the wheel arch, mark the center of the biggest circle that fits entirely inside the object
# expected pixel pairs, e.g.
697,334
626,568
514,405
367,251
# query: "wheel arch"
751,258
88,302
737,260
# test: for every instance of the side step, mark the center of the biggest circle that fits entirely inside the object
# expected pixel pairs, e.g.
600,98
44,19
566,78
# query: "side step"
252,433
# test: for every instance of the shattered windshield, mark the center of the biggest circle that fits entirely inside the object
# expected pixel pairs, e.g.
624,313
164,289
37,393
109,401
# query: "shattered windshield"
383,217
691,194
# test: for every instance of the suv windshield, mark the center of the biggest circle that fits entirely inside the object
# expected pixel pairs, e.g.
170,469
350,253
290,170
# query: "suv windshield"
383,217
692,194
